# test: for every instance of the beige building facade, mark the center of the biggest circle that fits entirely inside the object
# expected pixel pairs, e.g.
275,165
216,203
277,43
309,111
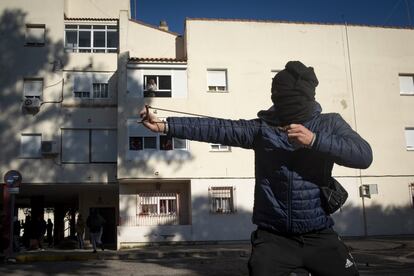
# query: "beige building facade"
74,80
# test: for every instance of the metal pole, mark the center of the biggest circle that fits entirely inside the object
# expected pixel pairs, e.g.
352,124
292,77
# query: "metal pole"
11,242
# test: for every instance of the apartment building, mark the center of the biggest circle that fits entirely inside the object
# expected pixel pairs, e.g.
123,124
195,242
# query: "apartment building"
73,81
198,191
59,106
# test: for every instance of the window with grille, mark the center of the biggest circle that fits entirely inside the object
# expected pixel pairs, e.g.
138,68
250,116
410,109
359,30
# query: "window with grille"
217,80
100,90
157,208
91,86
91,38
222,200
411,187
157,86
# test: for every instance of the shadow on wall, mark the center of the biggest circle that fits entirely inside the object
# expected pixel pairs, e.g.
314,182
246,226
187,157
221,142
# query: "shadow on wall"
19,61
143,163
208,226
380,220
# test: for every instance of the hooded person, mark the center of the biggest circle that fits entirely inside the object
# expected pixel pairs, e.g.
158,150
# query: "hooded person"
295,148
293,95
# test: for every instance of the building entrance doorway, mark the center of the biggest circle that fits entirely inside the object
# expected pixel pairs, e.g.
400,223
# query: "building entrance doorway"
109,228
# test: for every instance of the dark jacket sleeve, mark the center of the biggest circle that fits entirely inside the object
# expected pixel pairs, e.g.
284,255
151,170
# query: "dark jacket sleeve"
236,133
344,145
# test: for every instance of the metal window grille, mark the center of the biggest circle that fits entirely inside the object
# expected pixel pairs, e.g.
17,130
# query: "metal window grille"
222,200
100,90
411,188
81,94
155,208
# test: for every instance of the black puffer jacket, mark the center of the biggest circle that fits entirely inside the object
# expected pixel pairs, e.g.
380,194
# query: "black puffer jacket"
286,198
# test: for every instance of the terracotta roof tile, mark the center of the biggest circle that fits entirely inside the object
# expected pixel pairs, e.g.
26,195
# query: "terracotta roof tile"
157,60
89,19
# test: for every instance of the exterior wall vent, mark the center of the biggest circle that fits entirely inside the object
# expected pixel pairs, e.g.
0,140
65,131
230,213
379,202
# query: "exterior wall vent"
49,148
32,103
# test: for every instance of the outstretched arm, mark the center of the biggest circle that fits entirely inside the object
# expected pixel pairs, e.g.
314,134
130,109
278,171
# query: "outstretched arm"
238,133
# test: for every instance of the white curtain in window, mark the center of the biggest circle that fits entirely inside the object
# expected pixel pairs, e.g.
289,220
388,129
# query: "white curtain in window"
406,84
104,145
409,137
33,88
216,78
30,145
75,145
82,83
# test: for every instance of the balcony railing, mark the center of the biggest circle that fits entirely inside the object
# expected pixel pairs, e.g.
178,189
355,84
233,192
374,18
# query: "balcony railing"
150,219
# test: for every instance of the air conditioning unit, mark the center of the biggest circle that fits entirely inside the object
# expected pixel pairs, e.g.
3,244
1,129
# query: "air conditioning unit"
49,148
32,103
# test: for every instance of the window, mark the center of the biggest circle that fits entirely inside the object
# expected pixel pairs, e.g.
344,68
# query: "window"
140,139
222,200
142,143
157,86
81,87
157,208
89,146
35,35
219,147
172,143
165,142
33,88
217,80
406,85
30,145
409,138
100,90
91,38
88,86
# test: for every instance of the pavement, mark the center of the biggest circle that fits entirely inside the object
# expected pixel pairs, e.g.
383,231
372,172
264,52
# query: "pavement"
371,251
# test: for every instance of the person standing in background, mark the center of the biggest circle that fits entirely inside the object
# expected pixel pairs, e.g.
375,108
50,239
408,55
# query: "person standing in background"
49,232
80,231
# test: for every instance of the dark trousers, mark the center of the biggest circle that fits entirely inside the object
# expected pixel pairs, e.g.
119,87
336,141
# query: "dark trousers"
322,253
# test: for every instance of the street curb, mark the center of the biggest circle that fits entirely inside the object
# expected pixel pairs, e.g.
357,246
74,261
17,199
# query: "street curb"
56,258
170,253
374,245
130,256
